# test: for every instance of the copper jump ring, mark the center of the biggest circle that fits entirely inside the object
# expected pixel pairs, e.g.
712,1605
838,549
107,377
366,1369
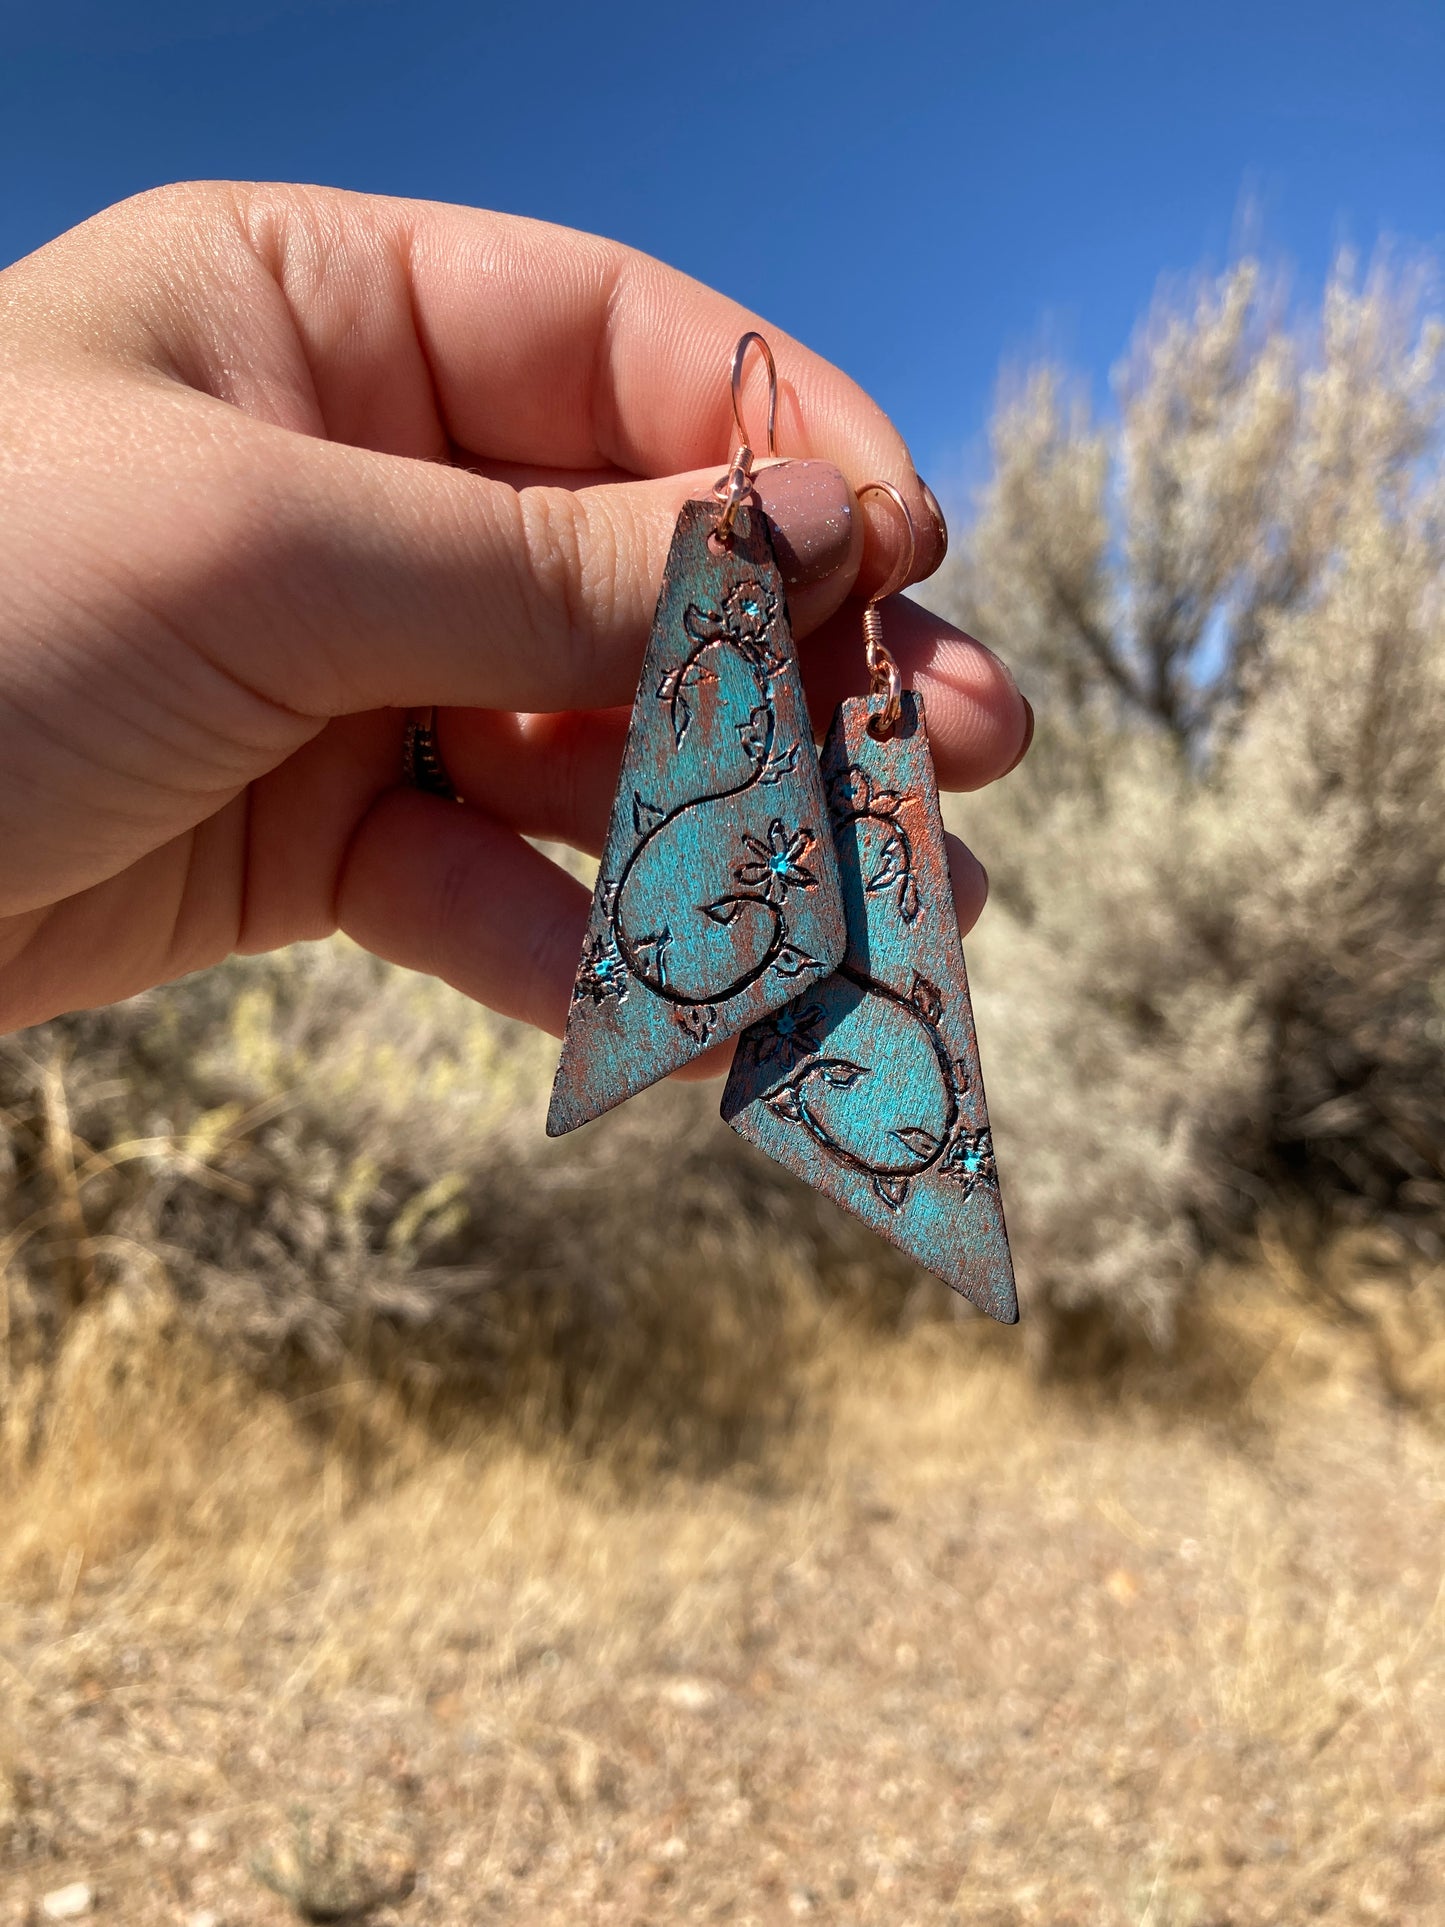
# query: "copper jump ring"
885,683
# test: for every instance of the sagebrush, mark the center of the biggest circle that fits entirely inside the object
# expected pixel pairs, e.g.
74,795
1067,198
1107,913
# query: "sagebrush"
1212,977
325,1163
1210,986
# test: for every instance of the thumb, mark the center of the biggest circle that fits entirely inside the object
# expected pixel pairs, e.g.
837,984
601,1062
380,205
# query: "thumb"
390,581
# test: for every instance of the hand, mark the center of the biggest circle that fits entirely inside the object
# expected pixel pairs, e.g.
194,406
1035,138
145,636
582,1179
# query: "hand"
276,462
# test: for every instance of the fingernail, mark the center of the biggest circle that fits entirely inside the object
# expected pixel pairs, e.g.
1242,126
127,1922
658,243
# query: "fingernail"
930,502
810,517
1028,735
969,880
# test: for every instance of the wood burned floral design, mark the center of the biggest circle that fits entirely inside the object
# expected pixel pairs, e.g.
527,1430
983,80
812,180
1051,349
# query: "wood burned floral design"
788,1036
871,1081
602,973
718,896
868,1085
775,867
885,849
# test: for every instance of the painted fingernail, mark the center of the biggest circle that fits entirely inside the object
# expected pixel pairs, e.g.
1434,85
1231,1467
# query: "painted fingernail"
810,516
930,502
1028,735
969,879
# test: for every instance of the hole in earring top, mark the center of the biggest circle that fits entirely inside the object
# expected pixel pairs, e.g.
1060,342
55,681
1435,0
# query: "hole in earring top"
885,684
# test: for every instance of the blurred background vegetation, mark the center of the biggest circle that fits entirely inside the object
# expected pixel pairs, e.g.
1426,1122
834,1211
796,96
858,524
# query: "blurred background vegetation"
1210,982
1213,973
285,1256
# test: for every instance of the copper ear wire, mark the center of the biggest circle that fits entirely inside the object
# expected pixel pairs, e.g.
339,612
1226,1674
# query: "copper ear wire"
740,356
884,679
734,488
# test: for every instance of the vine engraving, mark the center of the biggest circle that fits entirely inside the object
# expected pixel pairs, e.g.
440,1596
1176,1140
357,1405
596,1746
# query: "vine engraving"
721,707
867,1084
887,850
923,1129
924,1087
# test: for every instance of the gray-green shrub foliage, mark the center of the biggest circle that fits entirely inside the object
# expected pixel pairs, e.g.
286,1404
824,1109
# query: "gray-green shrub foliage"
327,1165
1212,975
1211,980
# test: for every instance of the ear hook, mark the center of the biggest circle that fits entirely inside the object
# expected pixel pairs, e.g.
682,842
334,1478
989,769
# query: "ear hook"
884,679
734,488
740,356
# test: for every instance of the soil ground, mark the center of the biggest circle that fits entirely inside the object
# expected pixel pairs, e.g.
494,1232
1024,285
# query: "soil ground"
967,1649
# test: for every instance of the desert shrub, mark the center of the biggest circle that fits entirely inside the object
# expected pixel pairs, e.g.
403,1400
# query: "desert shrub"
326,1166
1210,984
1212,976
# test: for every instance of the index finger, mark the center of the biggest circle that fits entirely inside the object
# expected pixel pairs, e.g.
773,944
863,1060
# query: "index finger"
422,328
549,345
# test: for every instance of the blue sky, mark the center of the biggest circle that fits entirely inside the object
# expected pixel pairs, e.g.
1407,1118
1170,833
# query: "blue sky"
923,193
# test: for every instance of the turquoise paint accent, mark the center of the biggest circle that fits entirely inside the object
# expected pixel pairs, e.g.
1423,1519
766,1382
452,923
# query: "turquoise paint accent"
718,894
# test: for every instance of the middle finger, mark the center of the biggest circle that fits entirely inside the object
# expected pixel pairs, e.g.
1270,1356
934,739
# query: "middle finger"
555,775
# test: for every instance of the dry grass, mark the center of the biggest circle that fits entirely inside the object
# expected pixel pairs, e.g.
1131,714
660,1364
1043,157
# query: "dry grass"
405,1520
943,1644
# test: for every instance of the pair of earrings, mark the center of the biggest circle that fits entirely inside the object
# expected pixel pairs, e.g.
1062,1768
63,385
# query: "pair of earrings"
748,885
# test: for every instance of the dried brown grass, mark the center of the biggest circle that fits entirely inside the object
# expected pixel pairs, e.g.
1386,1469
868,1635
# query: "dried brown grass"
954,1644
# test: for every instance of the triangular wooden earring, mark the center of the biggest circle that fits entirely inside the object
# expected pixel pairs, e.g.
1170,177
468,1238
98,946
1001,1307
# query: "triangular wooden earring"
718,895
868,1086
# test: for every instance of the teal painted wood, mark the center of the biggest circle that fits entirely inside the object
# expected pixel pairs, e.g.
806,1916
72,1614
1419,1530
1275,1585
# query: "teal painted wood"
868,1086
718,895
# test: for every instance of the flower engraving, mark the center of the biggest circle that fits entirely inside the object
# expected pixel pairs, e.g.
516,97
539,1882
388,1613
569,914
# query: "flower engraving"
744,620
748,610
602,972
788,1036
969,1160
851,793
775,867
